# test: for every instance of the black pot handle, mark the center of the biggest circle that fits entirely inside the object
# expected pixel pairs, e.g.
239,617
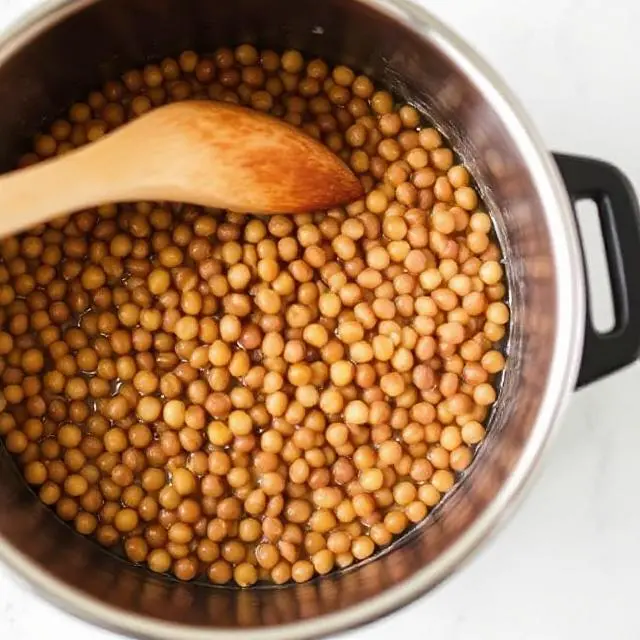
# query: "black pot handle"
610,189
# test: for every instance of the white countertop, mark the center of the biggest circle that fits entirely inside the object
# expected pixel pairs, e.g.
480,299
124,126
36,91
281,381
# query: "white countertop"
565,566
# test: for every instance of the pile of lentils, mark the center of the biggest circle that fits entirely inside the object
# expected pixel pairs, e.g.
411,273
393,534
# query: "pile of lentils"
242,398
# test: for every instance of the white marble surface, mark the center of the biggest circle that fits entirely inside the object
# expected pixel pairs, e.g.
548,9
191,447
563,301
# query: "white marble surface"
565,566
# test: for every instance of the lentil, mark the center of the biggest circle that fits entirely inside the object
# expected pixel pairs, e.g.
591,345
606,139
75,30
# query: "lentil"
263,398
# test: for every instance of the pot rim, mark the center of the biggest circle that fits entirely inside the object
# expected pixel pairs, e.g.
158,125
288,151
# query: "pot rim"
560,383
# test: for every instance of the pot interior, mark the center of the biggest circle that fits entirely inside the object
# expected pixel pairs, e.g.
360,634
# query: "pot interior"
82,44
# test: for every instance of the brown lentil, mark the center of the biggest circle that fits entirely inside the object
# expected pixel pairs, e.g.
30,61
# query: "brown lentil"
262,398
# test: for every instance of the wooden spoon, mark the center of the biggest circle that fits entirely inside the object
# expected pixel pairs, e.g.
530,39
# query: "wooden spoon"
209,153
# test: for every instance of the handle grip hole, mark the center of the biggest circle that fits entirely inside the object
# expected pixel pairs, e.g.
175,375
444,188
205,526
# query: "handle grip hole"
602,310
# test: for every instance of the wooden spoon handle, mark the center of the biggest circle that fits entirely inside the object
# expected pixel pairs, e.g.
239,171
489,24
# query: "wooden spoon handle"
54,187
104,171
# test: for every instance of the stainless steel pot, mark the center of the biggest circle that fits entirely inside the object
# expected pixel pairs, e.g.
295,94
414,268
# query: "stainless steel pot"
69,46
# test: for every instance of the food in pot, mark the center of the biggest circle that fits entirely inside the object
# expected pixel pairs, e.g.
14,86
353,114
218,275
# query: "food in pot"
244,398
